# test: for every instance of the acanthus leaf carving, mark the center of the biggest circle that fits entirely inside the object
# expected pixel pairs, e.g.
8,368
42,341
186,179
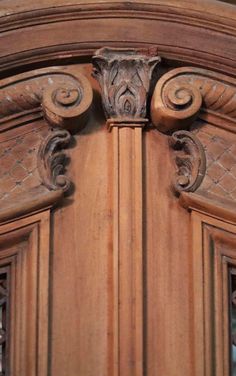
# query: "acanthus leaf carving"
124,76
52,160
190,161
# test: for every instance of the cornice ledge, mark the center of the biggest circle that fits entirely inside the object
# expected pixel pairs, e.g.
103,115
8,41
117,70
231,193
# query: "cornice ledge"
183,94
209,204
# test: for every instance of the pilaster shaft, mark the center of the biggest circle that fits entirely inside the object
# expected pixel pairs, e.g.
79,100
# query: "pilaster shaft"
124,76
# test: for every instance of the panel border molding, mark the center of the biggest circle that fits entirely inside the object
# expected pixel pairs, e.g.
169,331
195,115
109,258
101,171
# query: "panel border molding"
24,247
213,250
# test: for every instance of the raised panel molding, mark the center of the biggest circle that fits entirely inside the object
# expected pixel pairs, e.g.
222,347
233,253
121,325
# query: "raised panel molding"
214,252
24,250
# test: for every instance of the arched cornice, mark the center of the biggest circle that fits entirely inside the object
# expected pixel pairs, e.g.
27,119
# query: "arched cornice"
206,31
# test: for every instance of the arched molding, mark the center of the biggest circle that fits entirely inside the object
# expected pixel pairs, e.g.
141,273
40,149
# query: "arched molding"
90,26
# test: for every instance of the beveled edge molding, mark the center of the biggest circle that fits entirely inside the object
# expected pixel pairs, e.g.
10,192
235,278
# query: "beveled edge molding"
124,76
183,94
210,205
190,161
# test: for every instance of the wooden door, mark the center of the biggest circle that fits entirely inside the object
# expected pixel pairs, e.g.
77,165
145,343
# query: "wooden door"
117,188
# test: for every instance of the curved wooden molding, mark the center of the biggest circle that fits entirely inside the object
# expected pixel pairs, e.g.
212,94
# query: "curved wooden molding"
108,22
190,161
62,93
210,205
183,94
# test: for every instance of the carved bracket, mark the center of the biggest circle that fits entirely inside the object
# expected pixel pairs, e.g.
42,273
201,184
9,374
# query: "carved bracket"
51,160
185,93
124,76
32,172
63,94
190,161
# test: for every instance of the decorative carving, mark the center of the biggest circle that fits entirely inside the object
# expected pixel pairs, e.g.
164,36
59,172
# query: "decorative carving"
124,76
32,163
220,152
64,95
181,93
190,161
51,161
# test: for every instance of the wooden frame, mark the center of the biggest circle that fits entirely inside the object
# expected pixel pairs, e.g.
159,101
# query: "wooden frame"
42,108
24,248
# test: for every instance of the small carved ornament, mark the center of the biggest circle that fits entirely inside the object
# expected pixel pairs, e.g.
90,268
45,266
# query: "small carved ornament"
190,161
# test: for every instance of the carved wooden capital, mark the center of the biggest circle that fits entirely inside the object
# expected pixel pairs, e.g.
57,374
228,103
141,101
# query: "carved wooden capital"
124,76
183,94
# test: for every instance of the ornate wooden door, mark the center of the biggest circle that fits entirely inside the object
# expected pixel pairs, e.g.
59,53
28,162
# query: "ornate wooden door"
117,188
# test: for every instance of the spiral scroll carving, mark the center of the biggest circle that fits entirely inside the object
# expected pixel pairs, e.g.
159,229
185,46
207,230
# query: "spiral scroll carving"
190,161
185,93
52,160
174,104
62,93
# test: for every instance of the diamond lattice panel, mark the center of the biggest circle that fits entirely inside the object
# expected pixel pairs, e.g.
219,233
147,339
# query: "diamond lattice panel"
220,150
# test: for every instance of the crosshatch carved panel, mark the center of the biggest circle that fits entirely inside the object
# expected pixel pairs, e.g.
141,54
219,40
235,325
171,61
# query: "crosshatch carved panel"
18,160
220,150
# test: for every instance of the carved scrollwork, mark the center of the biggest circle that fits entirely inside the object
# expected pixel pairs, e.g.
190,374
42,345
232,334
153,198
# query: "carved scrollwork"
124,76
190,161
52,160
174,104
185,93
64,95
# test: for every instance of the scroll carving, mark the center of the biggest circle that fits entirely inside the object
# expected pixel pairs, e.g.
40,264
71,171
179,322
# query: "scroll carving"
190,161
52,160
63,94
124,76
184,94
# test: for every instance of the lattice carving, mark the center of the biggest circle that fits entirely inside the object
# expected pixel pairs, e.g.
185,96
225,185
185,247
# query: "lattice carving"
220,150
18,159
